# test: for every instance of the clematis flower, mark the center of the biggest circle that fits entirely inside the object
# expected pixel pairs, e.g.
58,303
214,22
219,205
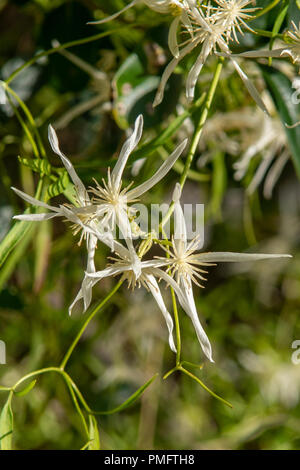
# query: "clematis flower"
81,215
112,201
186,266
210,28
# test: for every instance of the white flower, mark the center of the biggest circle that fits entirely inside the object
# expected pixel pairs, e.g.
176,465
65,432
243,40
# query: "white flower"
187,267
211,29
96,218
112,201
80,215
137,273
173,7
233,14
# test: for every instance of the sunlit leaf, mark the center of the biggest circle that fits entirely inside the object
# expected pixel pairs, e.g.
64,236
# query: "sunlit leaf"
282,91
130,400
26,389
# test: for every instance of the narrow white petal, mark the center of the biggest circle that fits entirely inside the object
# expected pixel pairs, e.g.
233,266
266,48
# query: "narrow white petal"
250,87
192,312
274,174
126,150
77,298
161,172
36,217
172,38
107,272
195,71
112,17
177,193
33,201
125,228
216,257
82,193
260,172
257,54
154,289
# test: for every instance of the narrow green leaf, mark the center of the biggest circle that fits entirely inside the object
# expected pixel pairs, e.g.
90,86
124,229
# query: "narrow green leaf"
59,186
26,390
6,426
130,400
94,443
282,92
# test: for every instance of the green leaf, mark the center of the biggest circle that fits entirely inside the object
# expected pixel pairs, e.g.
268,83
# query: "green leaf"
282,91
59,186
94,443
130,400
6,425
26,390
135,91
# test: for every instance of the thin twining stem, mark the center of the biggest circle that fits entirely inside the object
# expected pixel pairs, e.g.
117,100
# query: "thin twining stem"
29,116
72,387
197,133
265,10
87,321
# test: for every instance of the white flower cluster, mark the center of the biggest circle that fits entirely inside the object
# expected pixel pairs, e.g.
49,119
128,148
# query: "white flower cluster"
100,209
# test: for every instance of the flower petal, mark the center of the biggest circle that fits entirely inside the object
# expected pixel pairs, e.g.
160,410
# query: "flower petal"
126,150
180,234
36,217
169,70
172,37
257,54
250,87
223,256
196,69
192,312
33,201
154,289
160,173
112,17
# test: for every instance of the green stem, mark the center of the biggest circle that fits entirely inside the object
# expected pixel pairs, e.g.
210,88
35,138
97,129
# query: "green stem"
87,321
77,42
197,132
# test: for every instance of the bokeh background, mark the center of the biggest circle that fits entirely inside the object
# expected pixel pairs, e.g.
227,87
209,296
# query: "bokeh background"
92,94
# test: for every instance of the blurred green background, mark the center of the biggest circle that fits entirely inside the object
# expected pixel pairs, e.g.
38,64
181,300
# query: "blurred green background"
250,313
